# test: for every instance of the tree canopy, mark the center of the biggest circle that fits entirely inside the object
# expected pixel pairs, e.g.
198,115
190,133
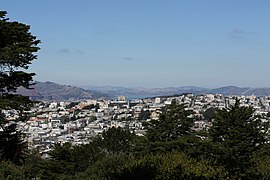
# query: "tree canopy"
238,134
174,122
17,51
17,48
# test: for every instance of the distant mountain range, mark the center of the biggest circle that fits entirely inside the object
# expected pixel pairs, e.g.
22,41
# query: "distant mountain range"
153,92
133,93
56,92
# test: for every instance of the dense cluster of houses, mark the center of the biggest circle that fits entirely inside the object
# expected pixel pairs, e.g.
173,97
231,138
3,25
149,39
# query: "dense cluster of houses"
79,122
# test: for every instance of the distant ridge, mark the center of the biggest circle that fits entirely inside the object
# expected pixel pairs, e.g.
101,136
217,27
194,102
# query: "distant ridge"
137,93
245,91
152,92
231,90
51,91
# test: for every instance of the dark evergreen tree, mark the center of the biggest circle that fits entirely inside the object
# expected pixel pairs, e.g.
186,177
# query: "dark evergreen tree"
17,48
237,134
10,171
116,140
11,144
174,122
144,115
209,113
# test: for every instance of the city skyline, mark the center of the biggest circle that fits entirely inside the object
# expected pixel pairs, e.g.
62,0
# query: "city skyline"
152,43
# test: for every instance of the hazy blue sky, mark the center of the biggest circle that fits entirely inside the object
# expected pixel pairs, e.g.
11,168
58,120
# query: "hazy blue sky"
149,43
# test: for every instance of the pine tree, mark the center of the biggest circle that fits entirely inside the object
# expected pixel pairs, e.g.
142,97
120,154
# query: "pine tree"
17,48
174,122
237,134
116,140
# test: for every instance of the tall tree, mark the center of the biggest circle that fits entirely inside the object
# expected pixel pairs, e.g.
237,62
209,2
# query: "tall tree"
144,115
174,122
237,134
17,51
116,140
17,48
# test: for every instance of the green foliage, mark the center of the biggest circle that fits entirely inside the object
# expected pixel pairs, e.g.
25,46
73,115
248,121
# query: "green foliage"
144,115
61,152
11,145
16,102
262,159
174,122
32,164
209,113
263,168
9,171
17,48
116,140
173,165
59,164
105,168
70,160
83,156
237,135
189,144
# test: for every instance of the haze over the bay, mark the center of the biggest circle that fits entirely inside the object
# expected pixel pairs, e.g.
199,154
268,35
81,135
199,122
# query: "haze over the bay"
149,43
